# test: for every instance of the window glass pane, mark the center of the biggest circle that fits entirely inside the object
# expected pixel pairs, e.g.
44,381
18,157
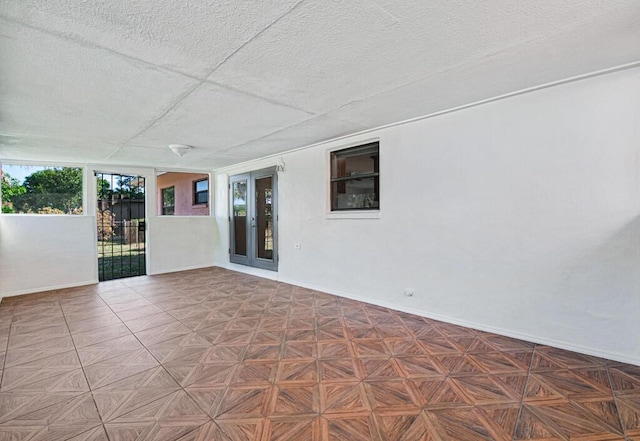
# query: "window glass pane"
201,192
168,196
168,201
190,193
355,194
202,185
240,217
202,197
32,189
355,161
355,178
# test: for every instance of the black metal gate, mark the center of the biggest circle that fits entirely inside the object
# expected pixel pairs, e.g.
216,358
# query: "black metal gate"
121,226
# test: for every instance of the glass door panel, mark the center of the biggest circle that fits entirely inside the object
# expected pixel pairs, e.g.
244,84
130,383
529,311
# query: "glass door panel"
239,193
264,218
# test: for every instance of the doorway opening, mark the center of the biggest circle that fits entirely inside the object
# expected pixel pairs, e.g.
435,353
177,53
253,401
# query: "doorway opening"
121,226
253,219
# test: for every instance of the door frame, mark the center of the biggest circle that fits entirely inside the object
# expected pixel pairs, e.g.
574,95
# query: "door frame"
251,258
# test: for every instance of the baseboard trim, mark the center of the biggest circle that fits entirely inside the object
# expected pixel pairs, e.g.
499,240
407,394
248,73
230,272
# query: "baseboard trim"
473,325
48,288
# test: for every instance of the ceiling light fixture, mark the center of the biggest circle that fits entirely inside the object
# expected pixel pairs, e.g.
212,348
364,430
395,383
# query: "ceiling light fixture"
180,149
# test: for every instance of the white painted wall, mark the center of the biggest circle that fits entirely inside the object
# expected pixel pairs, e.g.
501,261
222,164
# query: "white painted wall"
44,252
39,252
520,216
180,243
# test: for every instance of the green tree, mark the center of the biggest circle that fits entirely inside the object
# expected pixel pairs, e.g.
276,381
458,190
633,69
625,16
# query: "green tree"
57,188
11,188
130,187
104,189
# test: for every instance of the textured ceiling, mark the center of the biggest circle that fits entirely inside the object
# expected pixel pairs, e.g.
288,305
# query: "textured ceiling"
117,81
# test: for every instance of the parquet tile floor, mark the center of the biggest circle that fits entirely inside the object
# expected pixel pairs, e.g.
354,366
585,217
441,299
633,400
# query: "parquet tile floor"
217,355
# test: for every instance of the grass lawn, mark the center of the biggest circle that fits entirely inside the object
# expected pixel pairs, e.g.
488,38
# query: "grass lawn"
117,260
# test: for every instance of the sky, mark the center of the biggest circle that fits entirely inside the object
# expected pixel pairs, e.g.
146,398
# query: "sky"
20,171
